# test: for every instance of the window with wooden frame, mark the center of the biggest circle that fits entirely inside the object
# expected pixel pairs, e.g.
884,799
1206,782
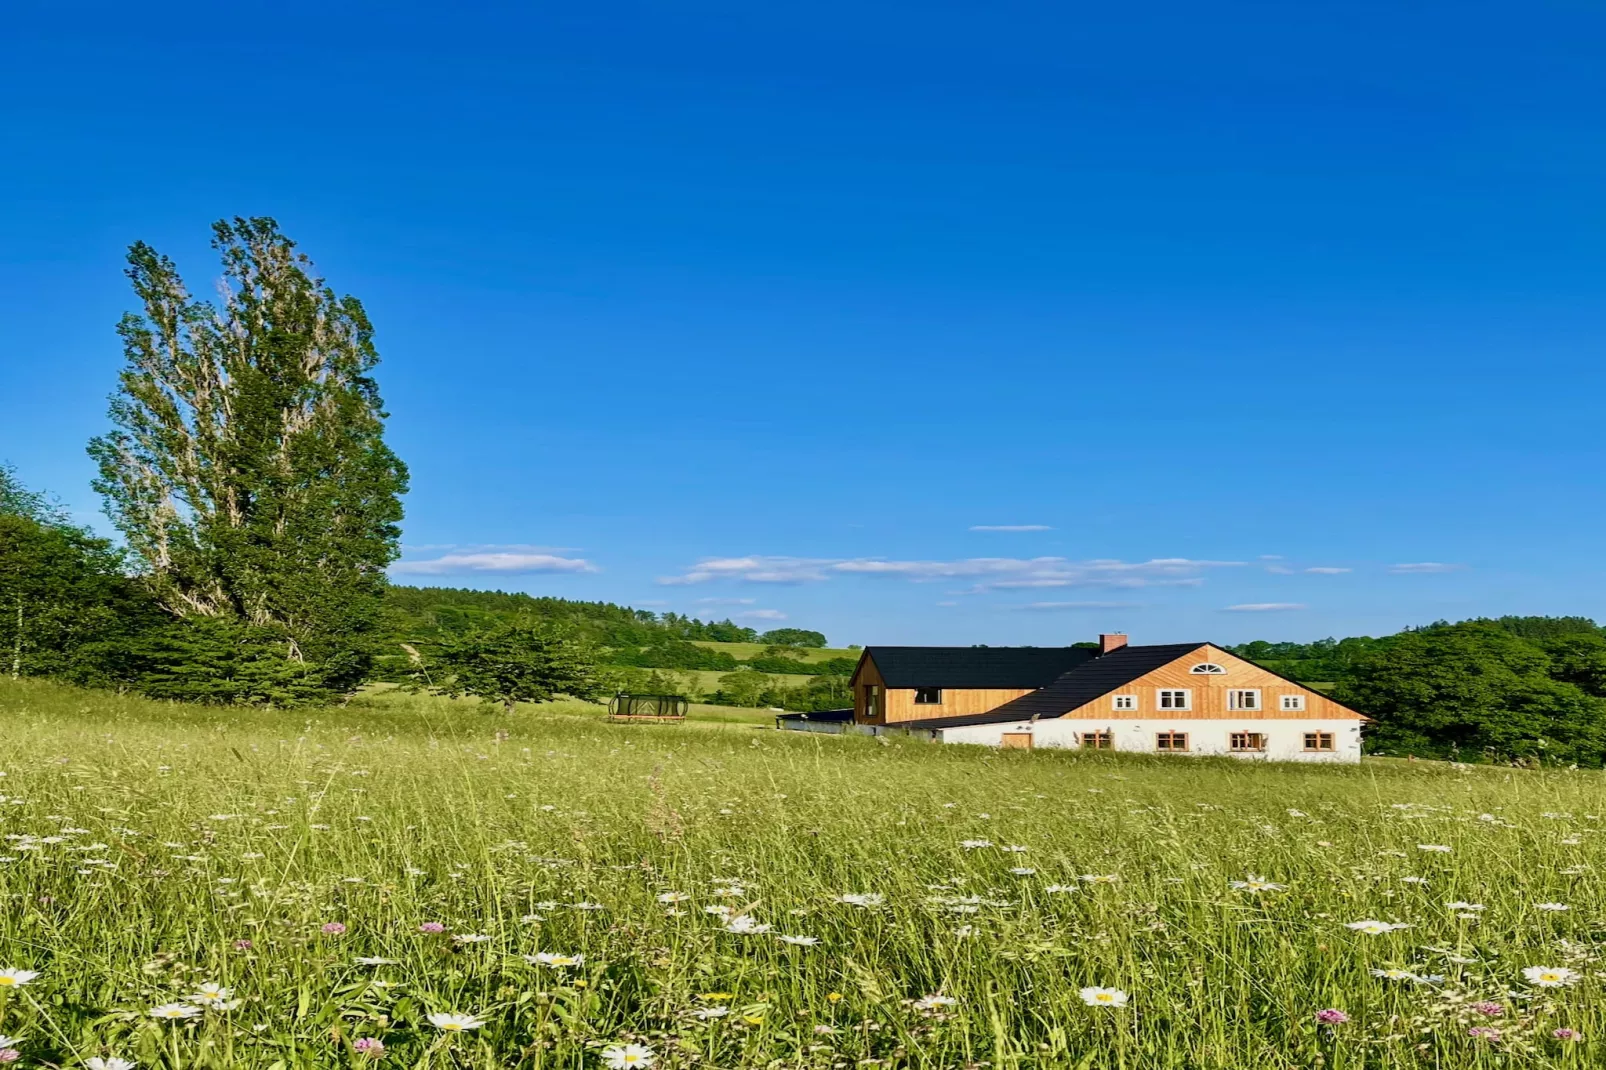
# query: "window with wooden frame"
928,696
1171,741
872,702
1124,702
1319,741
1246,741
1291,703
1208,668
1098,740
1175,699
1243,699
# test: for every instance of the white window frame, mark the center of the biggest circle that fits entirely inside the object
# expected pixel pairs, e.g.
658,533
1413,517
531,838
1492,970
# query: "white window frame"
1129,703
1208,668
1161,692
1291,704
1235,702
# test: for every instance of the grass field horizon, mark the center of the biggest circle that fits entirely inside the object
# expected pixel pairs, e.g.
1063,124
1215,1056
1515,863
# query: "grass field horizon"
720,894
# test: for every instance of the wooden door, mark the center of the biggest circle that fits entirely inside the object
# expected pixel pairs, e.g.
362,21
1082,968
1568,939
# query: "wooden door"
1017,740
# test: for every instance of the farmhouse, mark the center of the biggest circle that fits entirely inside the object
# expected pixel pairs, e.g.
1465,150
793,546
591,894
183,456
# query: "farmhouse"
1177,698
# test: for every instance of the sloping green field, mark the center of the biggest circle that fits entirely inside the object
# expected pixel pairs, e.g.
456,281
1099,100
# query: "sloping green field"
286,884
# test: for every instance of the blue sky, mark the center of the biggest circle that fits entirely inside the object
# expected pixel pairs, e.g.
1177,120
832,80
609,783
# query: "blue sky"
771,311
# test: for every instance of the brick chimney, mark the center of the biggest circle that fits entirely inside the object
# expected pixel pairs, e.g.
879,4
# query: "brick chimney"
1111,642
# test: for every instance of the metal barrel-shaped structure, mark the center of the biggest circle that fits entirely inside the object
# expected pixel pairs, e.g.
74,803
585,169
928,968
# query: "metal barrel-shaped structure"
628,707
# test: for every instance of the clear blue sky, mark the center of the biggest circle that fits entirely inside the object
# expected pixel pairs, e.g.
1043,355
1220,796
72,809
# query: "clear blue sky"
1220,293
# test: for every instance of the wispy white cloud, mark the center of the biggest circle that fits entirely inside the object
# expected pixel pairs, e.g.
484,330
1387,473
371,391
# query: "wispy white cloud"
989,573
1279,570
946,605
509,559
1051,607
761,614
1421,567
1264,607
1010,527
1328,570
1271,557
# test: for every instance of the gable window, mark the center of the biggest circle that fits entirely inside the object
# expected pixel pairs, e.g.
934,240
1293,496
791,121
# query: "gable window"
1208,668
1246,741
928,696
1171,741
1243,700
872,702
1319,741
1124,702
1291,703
1098,741
1176,699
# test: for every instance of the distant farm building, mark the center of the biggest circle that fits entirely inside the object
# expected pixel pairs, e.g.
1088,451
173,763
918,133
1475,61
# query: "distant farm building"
1177,698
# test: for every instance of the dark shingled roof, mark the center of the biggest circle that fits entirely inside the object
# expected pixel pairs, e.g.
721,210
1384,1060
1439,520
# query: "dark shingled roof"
1081,685
975,666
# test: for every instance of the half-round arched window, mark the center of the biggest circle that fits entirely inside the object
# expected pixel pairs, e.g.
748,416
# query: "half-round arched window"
1208,668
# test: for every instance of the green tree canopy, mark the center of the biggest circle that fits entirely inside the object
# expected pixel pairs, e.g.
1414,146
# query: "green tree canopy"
519,661
1477,688
62,590
247,467
793,637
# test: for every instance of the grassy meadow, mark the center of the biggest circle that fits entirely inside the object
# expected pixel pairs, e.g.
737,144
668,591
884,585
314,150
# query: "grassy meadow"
325,888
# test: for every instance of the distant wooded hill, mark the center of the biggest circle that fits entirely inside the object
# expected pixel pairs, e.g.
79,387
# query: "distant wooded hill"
630,638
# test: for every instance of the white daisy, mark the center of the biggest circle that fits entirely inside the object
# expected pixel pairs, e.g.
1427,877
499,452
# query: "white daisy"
1374,928
1094,996
1550,976
554,959
975,845
624,1056
14,978
175,1011
934,1002
1459,905
1436,848
800,941
455,1023
862,899
375,960
214,997
1253,883
110,1062
673,897
1023,871
706,1013
746,925
1551,906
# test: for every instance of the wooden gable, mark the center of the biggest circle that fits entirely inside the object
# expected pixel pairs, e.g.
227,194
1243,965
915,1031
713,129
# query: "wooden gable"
1209,693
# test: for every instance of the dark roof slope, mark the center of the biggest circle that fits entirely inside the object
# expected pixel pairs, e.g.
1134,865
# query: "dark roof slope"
976,666
1076,688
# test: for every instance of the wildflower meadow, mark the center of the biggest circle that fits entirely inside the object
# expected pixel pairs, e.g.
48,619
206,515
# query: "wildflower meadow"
411,882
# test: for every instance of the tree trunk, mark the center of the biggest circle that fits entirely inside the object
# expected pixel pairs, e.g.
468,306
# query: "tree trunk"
507,706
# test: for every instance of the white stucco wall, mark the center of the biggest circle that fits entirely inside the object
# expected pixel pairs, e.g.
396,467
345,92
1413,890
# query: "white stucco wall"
1285,738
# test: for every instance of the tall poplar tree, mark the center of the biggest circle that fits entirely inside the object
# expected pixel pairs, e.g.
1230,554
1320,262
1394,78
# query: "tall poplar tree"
247,467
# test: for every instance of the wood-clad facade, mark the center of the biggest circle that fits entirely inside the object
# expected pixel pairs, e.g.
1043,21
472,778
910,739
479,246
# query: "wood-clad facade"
876,703
1210,695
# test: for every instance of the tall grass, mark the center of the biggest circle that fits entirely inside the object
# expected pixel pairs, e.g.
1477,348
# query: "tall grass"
153,848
